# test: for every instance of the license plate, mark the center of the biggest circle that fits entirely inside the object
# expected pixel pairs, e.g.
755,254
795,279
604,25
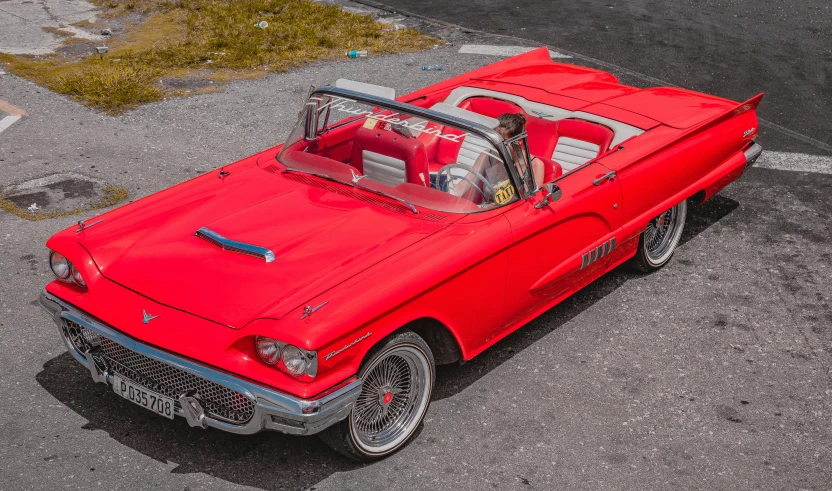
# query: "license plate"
147,399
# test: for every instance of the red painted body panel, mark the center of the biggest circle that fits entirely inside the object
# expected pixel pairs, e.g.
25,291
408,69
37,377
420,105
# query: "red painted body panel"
319,239
481,275
673,107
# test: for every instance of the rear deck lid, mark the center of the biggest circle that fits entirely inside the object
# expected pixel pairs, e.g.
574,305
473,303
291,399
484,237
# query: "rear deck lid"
677,108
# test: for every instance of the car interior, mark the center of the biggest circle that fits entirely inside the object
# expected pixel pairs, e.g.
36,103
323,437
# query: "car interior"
393,154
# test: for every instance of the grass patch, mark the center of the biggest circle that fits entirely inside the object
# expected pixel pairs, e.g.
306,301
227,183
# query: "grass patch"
111,85
57,31
112,196
217,39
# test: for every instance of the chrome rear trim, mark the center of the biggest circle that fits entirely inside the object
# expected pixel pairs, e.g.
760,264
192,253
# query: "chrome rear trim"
752,153
232,245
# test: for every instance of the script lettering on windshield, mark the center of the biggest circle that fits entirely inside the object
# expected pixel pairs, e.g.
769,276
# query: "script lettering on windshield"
340,104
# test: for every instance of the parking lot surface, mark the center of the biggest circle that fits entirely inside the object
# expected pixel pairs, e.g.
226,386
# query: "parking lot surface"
713,373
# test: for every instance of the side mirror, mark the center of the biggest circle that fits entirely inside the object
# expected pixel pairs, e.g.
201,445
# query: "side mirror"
551,193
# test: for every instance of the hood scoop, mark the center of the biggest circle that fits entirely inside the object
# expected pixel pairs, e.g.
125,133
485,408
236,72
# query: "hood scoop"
224,243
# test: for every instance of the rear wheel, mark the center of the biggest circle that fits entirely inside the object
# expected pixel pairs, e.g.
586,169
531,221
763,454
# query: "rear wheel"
398,378
660,239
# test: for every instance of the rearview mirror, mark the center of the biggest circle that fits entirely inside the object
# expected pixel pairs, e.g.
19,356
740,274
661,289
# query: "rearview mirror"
551,193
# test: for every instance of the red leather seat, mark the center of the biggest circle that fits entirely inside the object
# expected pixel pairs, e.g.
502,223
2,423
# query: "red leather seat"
543,136
551,170
388,157
542,133
491,107
579,142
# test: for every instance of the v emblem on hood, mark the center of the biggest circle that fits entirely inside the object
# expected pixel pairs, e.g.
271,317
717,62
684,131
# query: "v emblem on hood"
146,318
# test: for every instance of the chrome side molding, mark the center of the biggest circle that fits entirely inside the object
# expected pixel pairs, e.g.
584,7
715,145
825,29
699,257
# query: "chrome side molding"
218,240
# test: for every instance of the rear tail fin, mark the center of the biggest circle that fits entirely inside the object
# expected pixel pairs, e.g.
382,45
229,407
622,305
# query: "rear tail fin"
750,104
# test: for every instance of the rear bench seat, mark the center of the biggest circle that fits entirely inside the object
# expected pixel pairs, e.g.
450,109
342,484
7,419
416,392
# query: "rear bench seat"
569,142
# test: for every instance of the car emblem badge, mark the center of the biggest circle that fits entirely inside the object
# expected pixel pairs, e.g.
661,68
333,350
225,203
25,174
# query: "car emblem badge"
356,177
748,131
146,318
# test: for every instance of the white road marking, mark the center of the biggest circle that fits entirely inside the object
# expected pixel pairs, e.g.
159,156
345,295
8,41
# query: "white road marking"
797,162
7,121
11,109
485,49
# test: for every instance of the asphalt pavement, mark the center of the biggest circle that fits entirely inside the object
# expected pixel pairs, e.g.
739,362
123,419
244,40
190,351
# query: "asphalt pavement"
713,373
731,48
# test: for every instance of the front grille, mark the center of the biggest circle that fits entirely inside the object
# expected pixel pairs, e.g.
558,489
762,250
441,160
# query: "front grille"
218,401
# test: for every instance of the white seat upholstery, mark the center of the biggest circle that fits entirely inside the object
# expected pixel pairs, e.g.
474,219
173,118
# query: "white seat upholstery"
472,146
383,169
571,153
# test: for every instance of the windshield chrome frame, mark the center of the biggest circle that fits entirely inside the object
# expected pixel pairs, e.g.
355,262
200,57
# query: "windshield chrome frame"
523,136
483,131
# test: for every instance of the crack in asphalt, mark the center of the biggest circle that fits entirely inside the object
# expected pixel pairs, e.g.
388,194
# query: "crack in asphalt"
48,11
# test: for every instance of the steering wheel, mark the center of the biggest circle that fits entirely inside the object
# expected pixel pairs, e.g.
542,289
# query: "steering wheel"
473,184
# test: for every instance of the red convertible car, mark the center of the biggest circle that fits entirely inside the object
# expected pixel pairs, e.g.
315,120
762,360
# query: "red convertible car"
313,287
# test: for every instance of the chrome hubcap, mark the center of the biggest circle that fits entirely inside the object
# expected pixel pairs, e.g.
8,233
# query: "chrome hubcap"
393,399
663,233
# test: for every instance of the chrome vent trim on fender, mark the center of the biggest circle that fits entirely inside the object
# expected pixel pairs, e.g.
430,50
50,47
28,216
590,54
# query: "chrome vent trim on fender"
218,240
597,253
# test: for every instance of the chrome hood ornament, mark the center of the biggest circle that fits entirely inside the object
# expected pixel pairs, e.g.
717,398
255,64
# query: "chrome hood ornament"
82,225
146,318
218,240
309,310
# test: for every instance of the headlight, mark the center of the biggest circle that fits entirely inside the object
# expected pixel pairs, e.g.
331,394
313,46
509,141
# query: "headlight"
268,349
76,276
295,361
65,271
59,265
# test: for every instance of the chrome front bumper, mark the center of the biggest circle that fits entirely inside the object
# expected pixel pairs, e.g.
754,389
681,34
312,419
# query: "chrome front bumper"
272,410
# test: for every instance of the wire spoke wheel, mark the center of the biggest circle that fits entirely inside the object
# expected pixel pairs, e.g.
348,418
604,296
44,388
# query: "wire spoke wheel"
393,399
663,233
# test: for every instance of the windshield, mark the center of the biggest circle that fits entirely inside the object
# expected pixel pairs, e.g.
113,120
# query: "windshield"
411,159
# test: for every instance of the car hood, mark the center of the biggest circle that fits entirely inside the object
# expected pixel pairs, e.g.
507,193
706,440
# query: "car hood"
319,238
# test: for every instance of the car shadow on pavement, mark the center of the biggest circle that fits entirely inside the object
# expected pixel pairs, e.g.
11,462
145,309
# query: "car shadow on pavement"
267,460
271,460
452,379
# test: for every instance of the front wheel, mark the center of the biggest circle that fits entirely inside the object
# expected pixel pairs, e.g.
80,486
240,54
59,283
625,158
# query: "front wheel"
398,378
660,239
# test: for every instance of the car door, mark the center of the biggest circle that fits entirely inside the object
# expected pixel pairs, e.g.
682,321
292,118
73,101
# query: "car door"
563,245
